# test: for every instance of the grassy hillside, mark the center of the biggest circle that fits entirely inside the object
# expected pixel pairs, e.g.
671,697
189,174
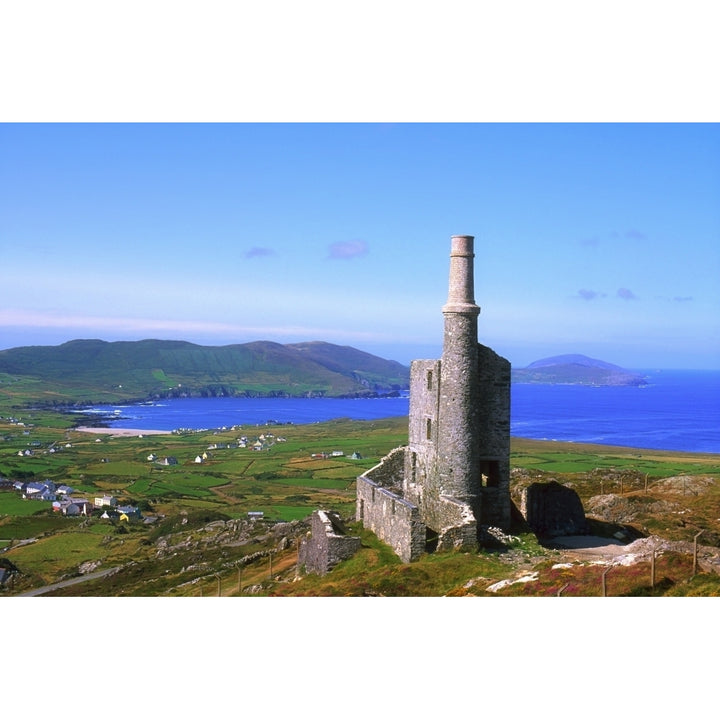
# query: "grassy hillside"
99,371
202,543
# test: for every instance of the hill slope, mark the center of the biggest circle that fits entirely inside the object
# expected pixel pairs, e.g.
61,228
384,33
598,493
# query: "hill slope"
575,370
94,370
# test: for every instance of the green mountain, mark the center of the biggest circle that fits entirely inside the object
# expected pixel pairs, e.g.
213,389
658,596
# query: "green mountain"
575,370
97,371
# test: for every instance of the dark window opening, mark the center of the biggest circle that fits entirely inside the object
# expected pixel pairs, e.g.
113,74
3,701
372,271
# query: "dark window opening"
490,472
428,429
431,540
429,379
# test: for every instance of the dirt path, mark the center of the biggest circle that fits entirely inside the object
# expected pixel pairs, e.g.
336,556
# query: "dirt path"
66,583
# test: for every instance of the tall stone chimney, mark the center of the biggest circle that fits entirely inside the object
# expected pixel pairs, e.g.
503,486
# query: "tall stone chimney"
458,459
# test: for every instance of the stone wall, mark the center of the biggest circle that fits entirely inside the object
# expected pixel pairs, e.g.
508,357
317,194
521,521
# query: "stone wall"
493,399
457,525
326,544
382,509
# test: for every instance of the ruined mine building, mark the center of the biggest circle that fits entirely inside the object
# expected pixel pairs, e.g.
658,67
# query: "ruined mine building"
452,481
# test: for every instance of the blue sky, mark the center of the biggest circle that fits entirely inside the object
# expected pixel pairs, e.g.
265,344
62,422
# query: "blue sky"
594,238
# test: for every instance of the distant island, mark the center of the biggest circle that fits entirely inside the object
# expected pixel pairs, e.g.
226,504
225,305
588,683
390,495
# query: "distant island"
576,370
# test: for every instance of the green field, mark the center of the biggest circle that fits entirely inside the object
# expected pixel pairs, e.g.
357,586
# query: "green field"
285,482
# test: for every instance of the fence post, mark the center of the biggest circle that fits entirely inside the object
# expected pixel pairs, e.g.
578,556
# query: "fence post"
604,587
652,569
695,561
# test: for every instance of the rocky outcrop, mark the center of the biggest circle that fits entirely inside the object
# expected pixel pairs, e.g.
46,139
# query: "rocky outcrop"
553,510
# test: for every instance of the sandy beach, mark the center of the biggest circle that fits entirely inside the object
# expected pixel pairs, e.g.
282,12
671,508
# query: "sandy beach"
121,432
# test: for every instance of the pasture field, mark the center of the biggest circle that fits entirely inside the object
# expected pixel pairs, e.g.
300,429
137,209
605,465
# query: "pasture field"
312,467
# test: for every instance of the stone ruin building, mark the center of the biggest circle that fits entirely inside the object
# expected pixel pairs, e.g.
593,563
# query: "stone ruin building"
326,544
452,481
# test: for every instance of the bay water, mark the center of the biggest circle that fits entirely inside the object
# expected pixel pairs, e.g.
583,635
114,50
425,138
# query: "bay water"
676,410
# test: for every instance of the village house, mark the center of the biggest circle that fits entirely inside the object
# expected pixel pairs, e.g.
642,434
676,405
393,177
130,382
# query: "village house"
128,512
38,490
105,500
73,506
218,446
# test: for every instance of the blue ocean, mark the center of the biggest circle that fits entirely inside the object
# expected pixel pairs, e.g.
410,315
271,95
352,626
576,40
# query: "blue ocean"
676,410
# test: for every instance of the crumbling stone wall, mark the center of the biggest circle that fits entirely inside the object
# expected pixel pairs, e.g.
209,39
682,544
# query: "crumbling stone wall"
457,523
382,509
326,544
493,397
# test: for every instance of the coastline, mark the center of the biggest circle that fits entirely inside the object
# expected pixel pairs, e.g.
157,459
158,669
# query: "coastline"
121,432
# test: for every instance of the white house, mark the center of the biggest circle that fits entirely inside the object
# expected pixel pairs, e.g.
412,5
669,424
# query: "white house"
108,500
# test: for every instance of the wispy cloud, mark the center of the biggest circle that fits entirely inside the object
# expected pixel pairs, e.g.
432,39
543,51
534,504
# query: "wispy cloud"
254,252
590,294
688,298
593,241
631,234
626,294
347,249
634,234
141,327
